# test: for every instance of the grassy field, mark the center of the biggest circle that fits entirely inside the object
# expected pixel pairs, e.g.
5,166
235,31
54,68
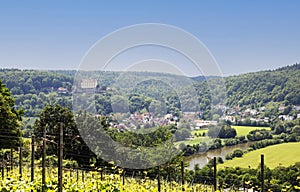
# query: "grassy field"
241,130
195,140
283,154
244,130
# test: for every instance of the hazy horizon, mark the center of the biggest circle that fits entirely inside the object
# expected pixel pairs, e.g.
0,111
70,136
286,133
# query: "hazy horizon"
58,69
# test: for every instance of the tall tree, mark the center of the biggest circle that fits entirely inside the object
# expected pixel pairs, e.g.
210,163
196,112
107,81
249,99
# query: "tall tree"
51,118
10,120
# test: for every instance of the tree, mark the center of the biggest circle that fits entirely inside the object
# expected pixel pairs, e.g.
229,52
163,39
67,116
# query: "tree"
10,120
296,129
227,132
213,131
237,153
182,134
221,131
139,102
259,134
51,118
119,104
279,128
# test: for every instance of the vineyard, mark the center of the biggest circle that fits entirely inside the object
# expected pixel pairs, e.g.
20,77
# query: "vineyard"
83,180
19,173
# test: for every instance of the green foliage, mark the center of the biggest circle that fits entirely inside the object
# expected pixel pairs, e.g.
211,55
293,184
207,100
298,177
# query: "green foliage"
217,143
277,179
35,89
221,131
296,130
138,103
265,143
259,134
34,82
51,118
262,87
182,134
237,153
234,154
254,90
10,134
286,126
93,181
220,160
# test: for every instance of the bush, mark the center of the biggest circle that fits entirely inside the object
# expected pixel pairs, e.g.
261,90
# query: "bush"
291,138
242,139
220,160
231,142
259,134
182,146
237,153
296,130
228,157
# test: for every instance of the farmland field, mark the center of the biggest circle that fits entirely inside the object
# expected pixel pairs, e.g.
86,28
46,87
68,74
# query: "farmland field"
284,154
244,130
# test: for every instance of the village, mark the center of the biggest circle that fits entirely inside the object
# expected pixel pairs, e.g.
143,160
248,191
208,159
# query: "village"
232,115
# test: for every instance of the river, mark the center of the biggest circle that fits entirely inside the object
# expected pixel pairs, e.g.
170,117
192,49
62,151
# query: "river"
203,158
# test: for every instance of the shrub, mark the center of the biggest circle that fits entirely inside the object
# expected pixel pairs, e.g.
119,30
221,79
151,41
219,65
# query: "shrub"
237,153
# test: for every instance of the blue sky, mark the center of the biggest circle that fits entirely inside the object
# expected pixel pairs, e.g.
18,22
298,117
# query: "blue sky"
243,36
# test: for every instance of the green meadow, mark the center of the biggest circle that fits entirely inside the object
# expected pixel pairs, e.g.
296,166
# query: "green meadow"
284,154
244,130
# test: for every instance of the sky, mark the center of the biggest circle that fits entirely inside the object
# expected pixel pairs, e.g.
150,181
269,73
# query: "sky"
242,36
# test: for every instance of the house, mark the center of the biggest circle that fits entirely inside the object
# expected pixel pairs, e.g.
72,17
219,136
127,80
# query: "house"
229,118
285,117
200,124
297,108
253,112
88,83
266,119
263,108
62,90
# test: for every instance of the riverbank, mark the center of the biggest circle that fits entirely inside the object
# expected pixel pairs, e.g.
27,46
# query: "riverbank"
202,158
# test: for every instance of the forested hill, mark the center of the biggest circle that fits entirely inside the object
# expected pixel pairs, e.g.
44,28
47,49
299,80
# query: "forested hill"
33,81
33,89
259,88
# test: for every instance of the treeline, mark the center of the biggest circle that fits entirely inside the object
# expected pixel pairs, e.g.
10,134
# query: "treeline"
251,90
278,179
257,89
33,81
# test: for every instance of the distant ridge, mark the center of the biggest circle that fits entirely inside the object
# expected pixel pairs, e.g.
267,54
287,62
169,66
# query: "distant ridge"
203,78
33,89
